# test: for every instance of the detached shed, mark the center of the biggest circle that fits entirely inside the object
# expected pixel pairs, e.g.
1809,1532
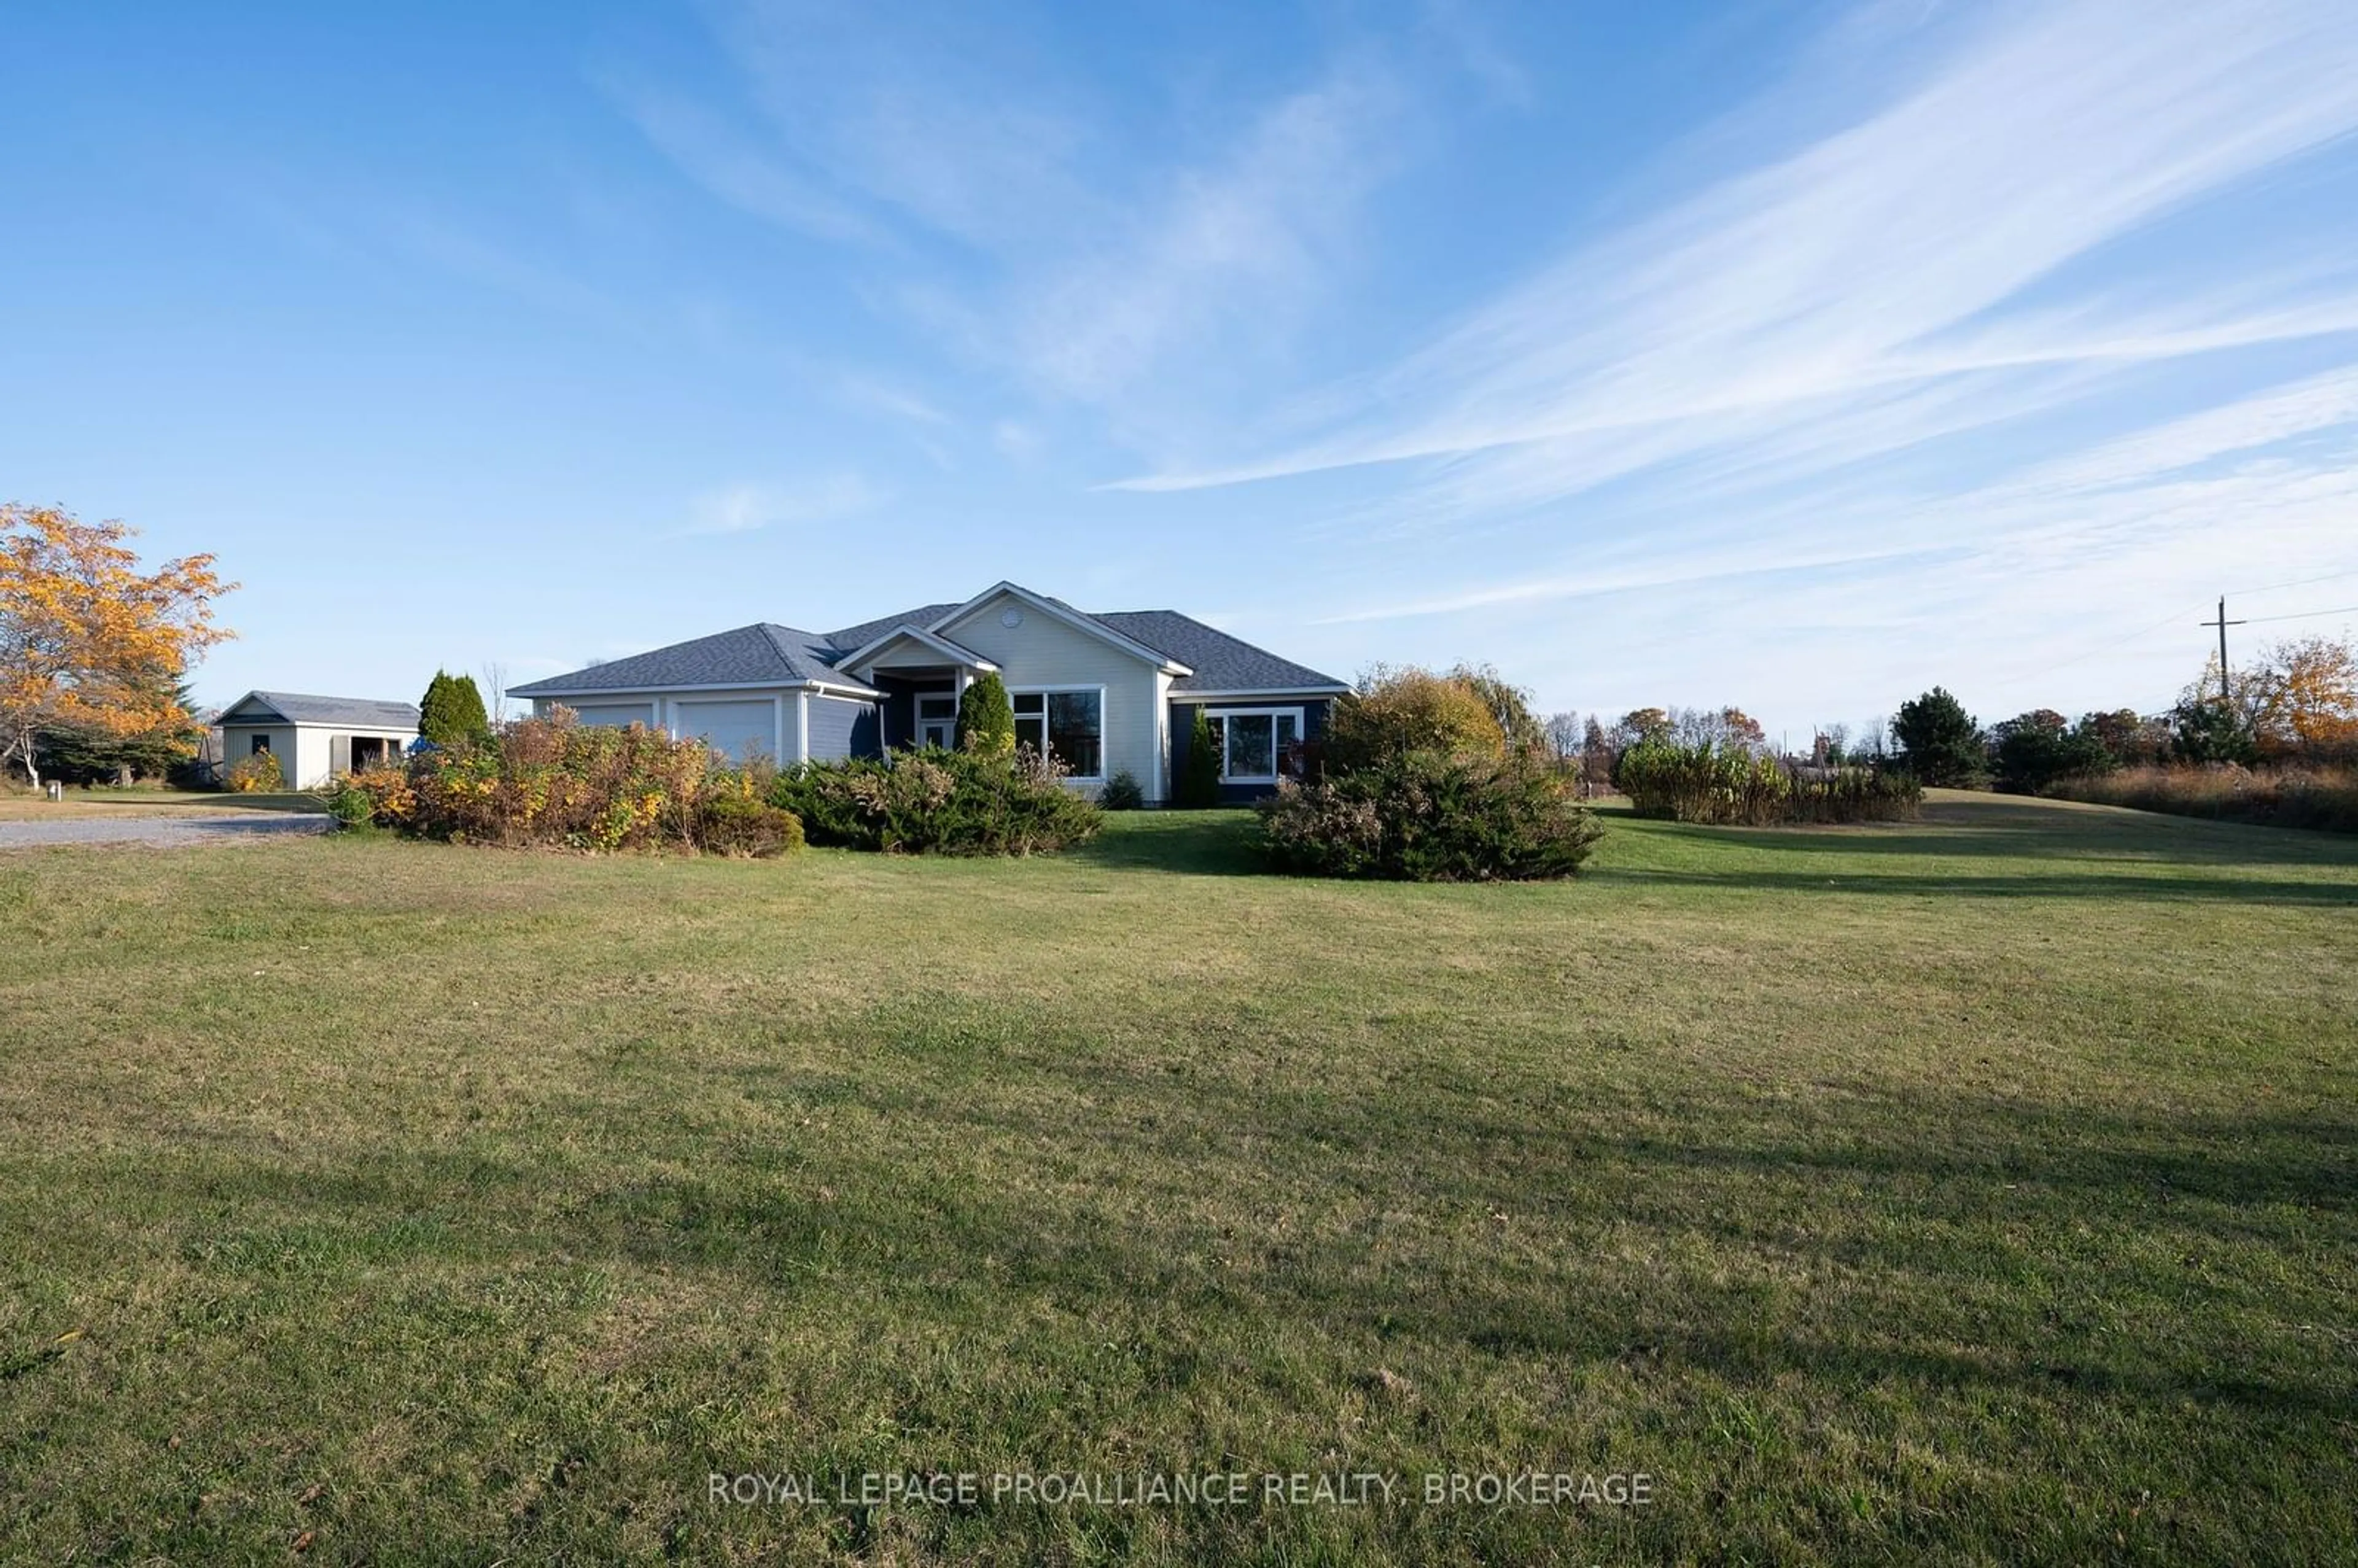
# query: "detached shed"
315,738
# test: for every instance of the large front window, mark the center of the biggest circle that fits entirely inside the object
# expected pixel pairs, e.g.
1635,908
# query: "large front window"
1068,725
1256,745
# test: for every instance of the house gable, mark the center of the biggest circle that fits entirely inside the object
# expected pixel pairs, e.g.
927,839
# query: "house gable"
994,606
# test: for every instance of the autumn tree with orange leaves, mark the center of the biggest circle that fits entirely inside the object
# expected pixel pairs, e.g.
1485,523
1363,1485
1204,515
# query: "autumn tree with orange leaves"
86,637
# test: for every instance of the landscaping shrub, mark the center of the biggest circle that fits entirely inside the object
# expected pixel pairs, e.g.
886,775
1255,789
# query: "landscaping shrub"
2325,797
936,802
451,712
736,824
1199,780
1732,785
351,805
1432,816
1122,792
554,782
258,773
1396,712
986,717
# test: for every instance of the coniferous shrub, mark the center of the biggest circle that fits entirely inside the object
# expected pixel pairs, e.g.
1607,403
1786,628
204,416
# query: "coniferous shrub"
1122,792
986,717
941,803
451,712
1432,816
1199,780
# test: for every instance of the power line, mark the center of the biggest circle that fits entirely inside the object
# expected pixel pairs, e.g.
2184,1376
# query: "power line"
2303,615
2222,623
2303,582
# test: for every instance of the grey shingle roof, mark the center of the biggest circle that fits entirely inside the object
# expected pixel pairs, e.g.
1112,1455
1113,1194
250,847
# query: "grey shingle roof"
852,639
1222,662
297,708
751,656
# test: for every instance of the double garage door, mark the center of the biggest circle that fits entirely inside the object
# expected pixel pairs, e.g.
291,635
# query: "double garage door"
739,730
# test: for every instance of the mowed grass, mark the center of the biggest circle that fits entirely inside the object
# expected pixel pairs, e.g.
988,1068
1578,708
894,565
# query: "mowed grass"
1978,1191
19,803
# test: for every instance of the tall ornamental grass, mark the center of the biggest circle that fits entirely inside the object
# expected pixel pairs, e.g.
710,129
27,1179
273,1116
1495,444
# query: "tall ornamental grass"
2294,797
1732,785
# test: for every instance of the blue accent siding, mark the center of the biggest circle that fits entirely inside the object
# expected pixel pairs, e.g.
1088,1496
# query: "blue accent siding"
839,726
1315,710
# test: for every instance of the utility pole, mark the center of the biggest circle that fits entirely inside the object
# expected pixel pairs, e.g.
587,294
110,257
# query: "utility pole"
2222,623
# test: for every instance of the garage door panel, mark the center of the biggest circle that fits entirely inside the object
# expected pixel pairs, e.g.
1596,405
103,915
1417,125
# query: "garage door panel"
617,715
739,730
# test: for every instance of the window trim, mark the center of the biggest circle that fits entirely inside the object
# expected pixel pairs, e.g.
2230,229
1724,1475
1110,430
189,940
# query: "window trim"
1105,737
1276,753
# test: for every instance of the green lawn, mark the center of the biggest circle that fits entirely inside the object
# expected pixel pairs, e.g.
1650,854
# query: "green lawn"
1981,1191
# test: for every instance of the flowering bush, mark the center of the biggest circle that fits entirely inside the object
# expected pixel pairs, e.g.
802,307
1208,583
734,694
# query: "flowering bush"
1430,817
937,802
253,774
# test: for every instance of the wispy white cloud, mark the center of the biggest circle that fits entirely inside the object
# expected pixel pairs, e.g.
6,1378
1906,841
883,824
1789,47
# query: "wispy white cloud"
1033,227
1834,272
742,508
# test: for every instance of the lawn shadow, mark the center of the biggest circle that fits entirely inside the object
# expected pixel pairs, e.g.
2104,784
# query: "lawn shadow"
1190,843
2082,885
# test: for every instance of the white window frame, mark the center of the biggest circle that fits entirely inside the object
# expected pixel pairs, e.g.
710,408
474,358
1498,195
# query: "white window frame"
1105,729
1276,752
917,720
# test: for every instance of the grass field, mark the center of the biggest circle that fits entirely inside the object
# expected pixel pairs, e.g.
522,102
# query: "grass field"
19,803
1978,1191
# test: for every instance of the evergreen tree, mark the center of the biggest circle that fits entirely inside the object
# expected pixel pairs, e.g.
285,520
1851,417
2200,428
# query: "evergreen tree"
1199,779
451,712
1940,742
89,755
986,718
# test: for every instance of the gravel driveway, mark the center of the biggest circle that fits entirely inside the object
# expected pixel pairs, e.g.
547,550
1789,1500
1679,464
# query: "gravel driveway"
169,832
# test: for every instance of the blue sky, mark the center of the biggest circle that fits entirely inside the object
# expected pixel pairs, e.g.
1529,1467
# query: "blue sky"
1794,356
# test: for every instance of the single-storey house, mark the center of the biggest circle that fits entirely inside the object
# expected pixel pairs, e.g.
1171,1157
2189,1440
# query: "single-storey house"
315,738
1107,693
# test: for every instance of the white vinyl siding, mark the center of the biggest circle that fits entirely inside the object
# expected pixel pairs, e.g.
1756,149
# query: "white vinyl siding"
1044,652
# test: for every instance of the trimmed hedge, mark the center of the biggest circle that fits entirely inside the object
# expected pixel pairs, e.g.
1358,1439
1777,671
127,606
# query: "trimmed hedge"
939,803
1429,816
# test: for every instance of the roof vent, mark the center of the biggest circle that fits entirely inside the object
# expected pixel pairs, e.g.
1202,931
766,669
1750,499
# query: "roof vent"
1010,616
